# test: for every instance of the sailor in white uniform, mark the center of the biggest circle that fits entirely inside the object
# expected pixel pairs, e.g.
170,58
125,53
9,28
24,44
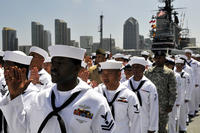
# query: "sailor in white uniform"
183,94
193,105
3,86
123,102
41,78
3,91
174,115
19,60
146,55
120,57
147,94
198,59
71,106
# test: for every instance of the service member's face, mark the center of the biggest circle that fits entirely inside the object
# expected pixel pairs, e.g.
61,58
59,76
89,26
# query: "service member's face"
159,60
188,55
138,70
110,76
179,66
170,66
100,58
128,72
63,69
7,67
47,67
37,61
119,59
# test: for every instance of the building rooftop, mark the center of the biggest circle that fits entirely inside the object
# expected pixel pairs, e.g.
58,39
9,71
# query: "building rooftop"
8,28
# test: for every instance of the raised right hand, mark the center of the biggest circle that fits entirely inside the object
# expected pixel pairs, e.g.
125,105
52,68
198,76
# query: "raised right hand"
16,81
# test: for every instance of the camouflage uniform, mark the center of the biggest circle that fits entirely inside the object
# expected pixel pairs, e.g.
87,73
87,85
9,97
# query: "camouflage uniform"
165,82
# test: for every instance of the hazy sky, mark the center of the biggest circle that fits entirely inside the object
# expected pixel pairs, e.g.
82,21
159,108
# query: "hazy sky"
82,16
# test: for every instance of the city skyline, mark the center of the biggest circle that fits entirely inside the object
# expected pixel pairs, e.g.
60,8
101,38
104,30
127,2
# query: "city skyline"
82,16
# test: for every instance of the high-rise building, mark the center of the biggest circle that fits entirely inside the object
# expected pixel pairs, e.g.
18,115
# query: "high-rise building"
47,39
9,39
141,42
108,44
37,31
62,33
69,36
74,43
25,48
40,37
86,43
131,34
95,46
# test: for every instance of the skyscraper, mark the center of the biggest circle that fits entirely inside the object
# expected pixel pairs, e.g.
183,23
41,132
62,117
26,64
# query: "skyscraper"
9,39
37,31
40,37
69,36
86,43
108,44
131,34
62,33
47,39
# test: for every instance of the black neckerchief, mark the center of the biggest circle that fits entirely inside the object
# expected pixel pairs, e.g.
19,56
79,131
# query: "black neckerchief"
56,110
137,90
111,103
182,75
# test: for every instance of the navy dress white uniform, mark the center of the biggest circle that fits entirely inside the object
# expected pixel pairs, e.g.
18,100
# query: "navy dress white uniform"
194,65
148,98
149,63
184,87
45,77
20,58
84,111
123,103
174,115
126,104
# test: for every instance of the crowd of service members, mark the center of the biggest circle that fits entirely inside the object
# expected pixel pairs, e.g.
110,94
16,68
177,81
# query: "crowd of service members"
66,91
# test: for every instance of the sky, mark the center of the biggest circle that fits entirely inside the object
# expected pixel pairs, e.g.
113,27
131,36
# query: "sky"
82,16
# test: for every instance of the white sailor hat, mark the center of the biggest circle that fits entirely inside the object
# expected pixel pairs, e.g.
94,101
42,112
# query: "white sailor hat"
67,51
145,53
179,61
118,55
18,57
197,55
39,51
93,54
47,60
138,60
176,56
127,57
169,59
83,64
1,53
111,64
188,51
107,52
183,57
